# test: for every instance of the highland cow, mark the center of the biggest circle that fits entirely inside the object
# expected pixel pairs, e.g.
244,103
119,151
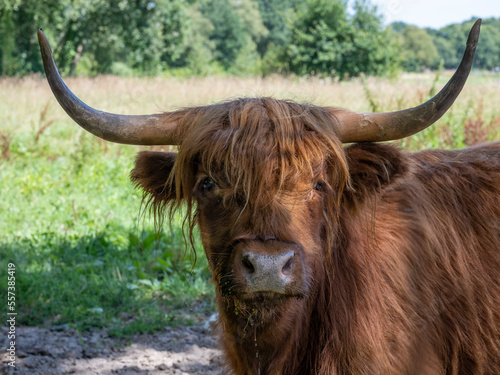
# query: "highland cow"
359,260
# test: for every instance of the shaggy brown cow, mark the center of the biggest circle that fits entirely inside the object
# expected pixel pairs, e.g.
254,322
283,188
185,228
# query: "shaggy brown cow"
330,260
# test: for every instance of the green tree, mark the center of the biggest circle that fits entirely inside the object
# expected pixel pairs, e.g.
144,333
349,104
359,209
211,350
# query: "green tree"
450,43
325,40
237,29
318,39
8,61
228,34
419,51
19,22
198,55
142,34
247,60
250,16
488,50
374,51
276,16
445,51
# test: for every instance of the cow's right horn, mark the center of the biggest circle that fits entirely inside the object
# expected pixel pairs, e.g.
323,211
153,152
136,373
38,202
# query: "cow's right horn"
159,129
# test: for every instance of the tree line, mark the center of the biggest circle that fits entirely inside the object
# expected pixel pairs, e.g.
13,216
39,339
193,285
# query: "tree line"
243,37
433,49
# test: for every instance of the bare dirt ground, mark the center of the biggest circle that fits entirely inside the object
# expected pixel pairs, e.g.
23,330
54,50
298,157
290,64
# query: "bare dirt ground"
179,351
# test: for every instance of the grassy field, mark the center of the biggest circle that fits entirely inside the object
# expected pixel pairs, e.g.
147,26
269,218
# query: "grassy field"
86,253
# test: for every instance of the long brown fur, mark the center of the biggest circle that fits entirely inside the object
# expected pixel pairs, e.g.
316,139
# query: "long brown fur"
401,250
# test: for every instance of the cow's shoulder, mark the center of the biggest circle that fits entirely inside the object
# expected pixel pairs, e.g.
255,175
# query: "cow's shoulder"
470,170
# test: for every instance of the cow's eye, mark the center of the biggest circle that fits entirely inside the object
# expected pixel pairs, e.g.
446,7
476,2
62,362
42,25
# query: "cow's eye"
319,185
207,184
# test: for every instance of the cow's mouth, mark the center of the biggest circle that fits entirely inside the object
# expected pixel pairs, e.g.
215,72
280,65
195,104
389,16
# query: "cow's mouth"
260,310
267,298
262,304
263,300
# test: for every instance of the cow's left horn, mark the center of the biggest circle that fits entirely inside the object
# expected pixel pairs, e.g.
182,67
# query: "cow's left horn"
376,127
157,129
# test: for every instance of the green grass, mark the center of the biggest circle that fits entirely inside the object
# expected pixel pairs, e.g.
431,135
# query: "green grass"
86,254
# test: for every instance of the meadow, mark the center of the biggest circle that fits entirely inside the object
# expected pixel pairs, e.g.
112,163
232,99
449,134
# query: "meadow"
86,252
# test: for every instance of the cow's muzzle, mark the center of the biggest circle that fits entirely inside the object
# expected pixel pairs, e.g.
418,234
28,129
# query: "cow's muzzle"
268,267
267,273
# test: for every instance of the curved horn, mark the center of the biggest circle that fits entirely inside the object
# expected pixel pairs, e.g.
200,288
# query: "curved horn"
157,129
376,127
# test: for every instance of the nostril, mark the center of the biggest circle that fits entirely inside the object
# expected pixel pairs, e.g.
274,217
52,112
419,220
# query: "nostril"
248,264
287,268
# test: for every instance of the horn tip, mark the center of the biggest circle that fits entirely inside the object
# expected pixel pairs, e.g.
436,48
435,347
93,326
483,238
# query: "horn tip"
474,33
43,43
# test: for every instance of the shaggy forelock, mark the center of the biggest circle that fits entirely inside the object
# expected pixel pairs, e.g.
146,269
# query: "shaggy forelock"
259,146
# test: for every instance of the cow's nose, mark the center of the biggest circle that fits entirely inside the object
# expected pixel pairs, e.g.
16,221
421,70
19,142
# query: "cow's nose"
267,273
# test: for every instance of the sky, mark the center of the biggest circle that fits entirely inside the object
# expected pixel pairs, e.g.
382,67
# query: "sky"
436,13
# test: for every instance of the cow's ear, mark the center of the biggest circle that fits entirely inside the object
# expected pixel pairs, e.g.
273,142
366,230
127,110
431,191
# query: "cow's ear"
152,171
372,167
